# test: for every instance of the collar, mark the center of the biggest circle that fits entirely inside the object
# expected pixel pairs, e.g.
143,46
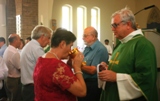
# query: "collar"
36,42
131,35
94,44
12,47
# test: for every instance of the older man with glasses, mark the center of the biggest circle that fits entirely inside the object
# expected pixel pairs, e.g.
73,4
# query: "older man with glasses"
132,71
95,52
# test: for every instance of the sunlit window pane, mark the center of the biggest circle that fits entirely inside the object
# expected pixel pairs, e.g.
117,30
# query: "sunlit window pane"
66,17
95,19
80,27
80,22
18,25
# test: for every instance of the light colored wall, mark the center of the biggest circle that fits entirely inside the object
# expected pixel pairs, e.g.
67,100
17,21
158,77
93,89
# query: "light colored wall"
107,7
45,12
142,17
51,9
2,19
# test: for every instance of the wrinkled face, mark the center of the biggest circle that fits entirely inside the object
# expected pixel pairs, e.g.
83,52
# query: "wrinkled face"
66,50
18,42
118,27
46,38
88,38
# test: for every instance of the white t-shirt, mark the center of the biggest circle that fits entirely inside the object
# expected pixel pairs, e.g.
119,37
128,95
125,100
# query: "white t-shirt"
12,59
109,49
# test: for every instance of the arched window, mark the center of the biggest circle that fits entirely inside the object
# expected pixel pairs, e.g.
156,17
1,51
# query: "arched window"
95,19
18,25
67,17
81,24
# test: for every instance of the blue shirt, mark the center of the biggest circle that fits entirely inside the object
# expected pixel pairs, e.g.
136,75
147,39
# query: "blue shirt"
28,57
2,49
94,55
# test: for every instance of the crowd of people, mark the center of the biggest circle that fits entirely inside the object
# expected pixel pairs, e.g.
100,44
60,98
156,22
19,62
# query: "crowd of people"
129,73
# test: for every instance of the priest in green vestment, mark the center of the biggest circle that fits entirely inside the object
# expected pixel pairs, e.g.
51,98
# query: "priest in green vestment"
132,71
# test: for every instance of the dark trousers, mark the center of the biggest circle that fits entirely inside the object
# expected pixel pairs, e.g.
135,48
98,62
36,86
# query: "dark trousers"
28,92
13,89
3,92
93,92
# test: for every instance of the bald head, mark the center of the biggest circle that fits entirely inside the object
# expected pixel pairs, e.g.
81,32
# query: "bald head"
90,35
12,37
91,30
14,40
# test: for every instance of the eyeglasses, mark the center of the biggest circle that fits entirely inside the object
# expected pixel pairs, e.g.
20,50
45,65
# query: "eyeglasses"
115,25
86,35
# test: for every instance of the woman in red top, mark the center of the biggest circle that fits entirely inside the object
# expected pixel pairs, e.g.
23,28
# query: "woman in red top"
54,79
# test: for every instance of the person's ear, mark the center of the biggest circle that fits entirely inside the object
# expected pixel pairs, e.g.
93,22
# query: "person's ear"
128,24
62,44
41,37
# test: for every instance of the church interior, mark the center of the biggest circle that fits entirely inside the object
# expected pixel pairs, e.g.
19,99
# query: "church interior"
49,13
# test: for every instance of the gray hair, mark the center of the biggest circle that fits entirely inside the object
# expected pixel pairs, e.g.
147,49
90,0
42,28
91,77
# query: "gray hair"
126,15
40,30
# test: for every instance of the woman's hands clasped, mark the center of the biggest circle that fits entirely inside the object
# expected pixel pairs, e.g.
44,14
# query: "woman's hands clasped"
77,60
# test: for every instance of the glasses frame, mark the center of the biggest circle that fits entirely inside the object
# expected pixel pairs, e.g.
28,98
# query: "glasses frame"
115,25
84,36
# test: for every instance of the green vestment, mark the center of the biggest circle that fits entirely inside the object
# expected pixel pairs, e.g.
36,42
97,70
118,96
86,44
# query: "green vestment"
47,49
136,58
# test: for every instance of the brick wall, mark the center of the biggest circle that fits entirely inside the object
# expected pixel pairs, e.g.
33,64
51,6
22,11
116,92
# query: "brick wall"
29,17
10,17
28,9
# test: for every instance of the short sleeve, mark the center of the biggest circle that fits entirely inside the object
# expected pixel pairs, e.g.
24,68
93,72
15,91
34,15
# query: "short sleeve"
63,76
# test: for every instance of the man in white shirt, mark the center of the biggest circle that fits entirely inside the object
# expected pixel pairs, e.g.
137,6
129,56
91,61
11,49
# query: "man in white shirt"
109,49
30,53
12,59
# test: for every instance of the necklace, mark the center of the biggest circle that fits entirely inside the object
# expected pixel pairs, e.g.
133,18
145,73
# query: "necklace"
54,54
